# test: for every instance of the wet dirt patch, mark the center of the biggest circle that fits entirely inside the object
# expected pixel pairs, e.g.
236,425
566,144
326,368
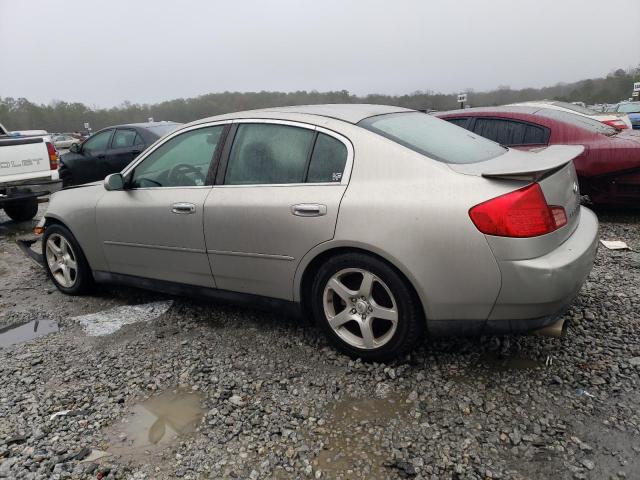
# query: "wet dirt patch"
154,424
353,437
23,332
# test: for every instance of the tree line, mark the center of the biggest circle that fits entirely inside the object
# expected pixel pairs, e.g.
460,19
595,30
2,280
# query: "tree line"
59,116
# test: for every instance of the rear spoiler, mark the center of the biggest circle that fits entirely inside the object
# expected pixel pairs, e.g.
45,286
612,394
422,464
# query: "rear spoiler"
522,165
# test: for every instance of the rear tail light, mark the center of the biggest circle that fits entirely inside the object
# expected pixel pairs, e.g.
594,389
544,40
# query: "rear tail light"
616,123
53,156
522,213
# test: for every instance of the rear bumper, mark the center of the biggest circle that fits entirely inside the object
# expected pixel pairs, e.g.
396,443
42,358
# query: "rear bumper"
535,293
542,286
19,191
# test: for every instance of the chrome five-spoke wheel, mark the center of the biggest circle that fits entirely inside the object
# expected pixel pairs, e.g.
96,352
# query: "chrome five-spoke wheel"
360,308
62,261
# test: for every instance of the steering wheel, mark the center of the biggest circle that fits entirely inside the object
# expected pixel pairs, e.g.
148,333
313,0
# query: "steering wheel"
178,175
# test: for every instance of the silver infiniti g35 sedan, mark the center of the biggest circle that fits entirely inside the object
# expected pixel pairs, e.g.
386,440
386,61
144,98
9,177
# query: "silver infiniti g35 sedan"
384,223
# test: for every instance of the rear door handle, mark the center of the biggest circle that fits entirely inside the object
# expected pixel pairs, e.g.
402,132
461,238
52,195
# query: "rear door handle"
309,210
183,208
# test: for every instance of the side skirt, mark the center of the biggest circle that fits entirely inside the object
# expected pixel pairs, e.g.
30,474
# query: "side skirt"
224,296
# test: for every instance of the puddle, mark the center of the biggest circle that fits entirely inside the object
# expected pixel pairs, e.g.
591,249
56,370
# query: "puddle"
156,423
495,363
23,332
353,436
112,320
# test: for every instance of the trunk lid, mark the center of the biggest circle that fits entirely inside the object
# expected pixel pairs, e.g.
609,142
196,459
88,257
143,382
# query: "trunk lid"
552,168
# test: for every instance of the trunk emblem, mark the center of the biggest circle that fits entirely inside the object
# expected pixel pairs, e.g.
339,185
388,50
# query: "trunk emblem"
575,187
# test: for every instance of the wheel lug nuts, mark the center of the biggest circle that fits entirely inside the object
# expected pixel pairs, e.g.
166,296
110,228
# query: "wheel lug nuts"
370,309
353,310
353,300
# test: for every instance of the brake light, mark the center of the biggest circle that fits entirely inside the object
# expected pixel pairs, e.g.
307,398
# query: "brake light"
53,156
616,123
522,213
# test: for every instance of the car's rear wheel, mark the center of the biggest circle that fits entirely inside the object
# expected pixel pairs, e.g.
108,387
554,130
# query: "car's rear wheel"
22,210
366,308
65,262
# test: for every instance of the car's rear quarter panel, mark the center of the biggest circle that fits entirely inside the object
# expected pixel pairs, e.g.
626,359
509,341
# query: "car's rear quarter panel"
413,211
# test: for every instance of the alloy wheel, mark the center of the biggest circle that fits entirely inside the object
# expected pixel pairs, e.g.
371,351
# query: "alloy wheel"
360,308
61,260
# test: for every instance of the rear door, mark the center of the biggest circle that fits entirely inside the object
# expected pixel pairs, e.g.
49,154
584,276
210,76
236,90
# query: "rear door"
276,196
153,228
126,145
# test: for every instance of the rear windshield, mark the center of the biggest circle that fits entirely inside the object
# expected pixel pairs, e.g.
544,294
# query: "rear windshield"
162,130
629,107
579,121
433,137
574,107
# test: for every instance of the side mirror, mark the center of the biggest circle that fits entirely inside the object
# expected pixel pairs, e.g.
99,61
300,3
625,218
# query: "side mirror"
115,181
74,148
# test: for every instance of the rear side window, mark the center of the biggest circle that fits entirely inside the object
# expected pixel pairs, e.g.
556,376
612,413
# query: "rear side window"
510,132
433,137
123,138
327,161
265,153
461,122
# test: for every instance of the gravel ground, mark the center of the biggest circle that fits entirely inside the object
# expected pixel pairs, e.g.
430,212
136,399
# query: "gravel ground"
228,392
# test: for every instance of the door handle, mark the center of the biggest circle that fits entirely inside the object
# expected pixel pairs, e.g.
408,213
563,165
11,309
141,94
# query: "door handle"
309,210
183,208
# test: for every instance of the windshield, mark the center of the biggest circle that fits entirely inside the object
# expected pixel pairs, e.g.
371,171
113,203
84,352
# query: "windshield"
578,121
575,108
629,107
162,130
433,137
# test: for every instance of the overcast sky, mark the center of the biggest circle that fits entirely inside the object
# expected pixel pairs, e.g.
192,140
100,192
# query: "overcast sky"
144,51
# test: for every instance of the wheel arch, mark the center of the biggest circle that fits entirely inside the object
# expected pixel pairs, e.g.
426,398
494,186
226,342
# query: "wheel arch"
312,261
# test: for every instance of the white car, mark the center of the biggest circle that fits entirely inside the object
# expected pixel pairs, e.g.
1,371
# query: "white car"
615,120
63,142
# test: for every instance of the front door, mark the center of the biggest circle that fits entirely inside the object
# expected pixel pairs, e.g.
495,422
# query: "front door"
276,197
153,228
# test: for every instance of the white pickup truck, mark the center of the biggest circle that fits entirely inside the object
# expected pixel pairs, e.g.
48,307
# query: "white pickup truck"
28,170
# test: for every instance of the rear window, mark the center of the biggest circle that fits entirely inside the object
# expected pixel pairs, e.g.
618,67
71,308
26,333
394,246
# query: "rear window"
629,108
433,137
578,121
575,108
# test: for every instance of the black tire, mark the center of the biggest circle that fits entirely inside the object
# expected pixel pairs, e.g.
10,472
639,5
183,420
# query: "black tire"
411,324
83,279
22,210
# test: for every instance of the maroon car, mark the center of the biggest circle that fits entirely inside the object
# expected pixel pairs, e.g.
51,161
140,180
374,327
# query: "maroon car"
609,167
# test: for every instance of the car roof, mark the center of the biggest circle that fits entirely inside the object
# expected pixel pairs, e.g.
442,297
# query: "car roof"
530,110
347,112
145,124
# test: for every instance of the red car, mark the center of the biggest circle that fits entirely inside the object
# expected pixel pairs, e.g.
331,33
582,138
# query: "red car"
608,169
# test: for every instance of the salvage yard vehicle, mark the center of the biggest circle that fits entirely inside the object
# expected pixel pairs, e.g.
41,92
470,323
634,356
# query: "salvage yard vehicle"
28,170
632,109
109,151
619,121
608,169
63,141
384,223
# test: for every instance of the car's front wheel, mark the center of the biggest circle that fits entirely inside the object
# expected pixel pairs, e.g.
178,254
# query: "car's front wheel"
366,308
65,262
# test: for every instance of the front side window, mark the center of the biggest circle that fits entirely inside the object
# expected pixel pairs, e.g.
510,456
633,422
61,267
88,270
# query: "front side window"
266,153
433,137
123,138
182,161
97,143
